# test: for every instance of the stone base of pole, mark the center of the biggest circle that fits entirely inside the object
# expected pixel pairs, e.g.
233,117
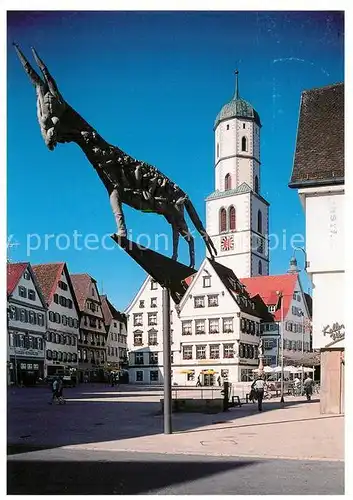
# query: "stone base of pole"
261,365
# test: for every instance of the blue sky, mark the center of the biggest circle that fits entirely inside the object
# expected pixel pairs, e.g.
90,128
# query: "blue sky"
152,83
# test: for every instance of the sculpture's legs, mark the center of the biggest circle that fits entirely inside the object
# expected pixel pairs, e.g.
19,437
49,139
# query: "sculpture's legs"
184,231
118,213
175,243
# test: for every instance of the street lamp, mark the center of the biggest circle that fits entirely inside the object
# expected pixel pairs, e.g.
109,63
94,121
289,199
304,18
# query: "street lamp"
306,263
280,297
303,323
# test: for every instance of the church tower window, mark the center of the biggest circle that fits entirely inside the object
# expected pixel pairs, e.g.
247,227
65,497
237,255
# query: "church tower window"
227,182
256,184
222,220
260,267
244,144
243,125
217,149
232,219
259,221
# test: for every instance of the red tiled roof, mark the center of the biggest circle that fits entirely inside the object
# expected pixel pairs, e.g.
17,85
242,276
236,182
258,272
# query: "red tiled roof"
48,276
81,284
267,286
109,311
14,273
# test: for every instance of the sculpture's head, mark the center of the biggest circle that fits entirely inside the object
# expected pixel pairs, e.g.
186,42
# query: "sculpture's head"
51,107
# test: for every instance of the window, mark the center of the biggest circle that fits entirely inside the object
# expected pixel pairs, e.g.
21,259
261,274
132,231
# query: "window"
200,326
142,304
138,319
186,327
232,219
228,351
40,319
152,337
137,338
260,267
241,351
22,291
31,317
228,126
153,358
64,319
139,376
243,144
227,182
69,303
152,319
12,312
154,376
26,275
56,298
138,358
227,325
154,285
190,376
49,354
269,343
271,308
153,301
214,351
243,125
200,352
256,184
31,295
187,351
259,221
217,150
213,325
199,301
23,315
206,281
222,220
212,300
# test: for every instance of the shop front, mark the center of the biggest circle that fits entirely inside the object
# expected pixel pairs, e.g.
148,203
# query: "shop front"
26,371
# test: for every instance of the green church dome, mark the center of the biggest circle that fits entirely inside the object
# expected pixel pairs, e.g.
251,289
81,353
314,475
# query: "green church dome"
237,108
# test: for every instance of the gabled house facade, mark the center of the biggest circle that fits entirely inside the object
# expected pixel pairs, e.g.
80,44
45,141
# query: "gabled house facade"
296,316
62,319
116,340
92,334
26,325
219,329
145,334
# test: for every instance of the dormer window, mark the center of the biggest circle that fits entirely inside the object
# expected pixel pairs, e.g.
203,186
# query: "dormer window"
271,309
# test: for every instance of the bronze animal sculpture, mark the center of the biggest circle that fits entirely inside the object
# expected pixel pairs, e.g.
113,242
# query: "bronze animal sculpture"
126,179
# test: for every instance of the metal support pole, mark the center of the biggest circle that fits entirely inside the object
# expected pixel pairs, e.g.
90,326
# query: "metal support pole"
282,349
302,391
167,407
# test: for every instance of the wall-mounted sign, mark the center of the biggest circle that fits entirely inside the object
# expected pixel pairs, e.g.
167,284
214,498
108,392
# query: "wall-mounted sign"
336,331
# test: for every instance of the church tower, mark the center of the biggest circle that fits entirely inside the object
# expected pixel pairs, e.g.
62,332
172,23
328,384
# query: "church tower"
236,213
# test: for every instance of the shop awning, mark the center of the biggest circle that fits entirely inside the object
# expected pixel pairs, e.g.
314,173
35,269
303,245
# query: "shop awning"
208,372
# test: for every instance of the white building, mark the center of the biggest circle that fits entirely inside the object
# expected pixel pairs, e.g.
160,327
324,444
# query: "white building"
220,329
63,319
318,174
116,341
27,324
145,334
237,216
296,316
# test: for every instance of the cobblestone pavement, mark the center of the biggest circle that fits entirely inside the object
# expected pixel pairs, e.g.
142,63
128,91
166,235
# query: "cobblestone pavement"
101,418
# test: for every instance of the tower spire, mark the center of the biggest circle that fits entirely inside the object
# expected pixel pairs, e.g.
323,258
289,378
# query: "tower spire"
236,94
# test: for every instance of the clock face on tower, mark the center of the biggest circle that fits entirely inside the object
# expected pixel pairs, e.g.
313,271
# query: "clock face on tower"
227,243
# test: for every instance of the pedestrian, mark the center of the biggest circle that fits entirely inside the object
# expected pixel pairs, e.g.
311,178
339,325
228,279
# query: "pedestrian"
54,387
219,381
308,387
198,383
60,388
296,383
85,378
258,387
